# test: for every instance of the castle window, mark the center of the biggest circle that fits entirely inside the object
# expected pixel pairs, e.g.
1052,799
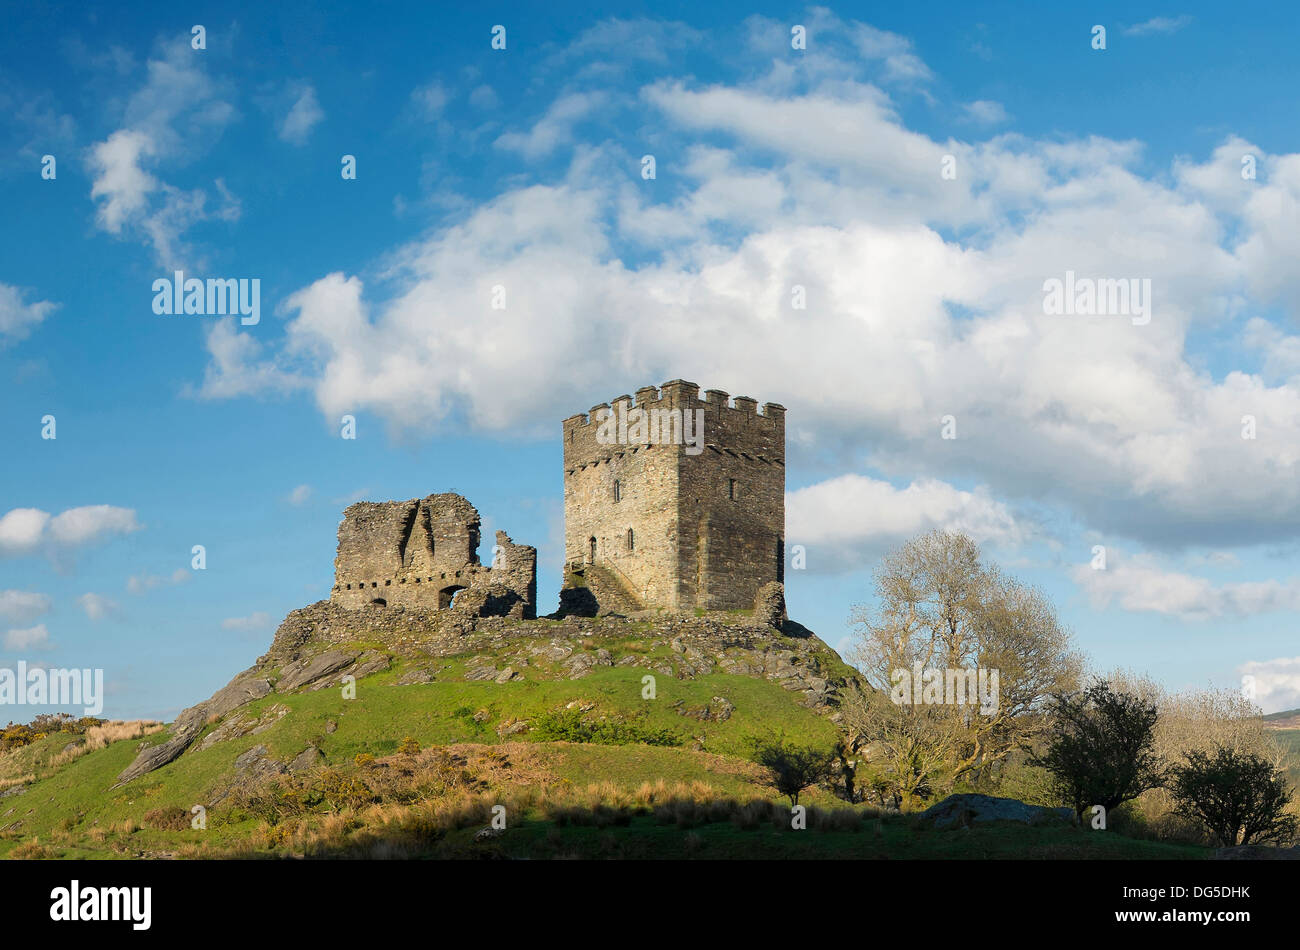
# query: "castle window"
618,490
731,489
593,550
630,542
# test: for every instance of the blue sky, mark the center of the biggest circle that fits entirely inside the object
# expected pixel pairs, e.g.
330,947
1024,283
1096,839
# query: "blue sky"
522,168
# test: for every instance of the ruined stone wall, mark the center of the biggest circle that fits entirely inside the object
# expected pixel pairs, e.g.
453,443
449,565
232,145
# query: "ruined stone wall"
713,523
421,553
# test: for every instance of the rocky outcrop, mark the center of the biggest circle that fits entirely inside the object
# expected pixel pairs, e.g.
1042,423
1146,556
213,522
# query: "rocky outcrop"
960,811
244,688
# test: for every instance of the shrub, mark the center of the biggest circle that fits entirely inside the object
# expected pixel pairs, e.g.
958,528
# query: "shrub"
1100,752
791,768
567,725
1236,794
167,818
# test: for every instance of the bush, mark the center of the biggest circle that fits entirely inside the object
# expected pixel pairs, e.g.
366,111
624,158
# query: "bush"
791,768
167,818
1100,752
1236,794
567,725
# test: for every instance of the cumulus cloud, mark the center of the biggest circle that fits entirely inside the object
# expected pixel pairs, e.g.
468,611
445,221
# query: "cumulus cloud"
853,518
555,128
1141,583
31,638
98,607
924,299
18,317
142,583
430,99
178,105
986,112
29,530
1276,682
302,117
300,495
21,606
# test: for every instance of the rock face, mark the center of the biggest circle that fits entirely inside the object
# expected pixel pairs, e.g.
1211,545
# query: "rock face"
959,811
244,688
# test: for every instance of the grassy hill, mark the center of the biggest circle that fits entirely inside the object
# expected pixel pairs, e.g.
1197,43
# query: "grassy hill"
549,720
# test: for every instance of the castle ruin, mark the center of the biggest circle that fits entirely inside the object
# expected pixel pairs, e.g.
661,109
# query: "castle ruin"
423,553
677,525
670,502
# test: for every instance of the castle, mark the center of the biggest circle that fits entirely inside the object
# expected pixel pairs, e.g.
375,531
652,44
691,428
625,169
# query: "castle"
671,501
681,526
423,553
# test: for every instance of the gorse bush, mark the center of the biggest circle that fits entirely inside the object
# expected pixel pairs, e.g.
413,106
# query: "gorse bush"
568,725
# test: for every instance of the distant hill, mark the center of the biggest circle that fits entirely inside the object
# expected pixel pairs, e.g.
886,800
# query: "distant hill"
1287,719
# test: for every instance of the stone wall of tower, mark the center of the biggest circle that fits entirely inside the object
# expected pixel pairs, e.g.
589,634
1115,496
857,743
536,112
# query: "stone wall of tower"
645,504
708,519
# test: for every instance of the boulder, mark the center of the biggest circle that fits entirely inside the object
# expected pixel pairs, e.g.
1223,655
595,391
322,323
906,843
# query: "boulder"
959,811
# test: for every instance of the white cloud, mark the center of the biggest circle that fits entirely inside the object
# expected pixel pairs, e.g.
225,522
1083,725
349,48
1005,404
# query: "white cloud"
178,106
21,606
986,112
18,318
32,638
29,530
1141,583
253,622
302,117
555,128
852,518
300,495
79,526
98,607
142,583
430,99
808,175
22,529
1277,682
1159,24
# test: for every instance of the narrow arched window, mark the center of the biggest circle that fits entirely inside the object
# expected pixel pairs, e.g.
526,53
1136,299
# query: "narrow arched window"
630,541
618,490
731,489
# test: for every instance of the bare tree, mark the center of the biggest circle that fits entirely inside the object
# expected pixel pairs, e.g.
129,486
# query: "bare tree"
940,608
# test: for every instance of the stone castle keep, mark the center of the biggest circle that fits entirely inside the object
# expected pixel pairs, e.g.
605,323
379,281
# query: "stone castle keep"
685,513
679,526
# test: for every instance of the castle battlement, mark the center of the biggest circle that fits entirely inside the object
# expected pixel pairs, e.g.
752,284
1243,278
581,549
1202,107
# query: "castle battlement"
724,424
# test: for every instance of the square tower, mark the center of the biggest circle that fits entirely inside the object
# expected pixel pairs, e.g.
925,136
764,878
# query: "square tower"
681,500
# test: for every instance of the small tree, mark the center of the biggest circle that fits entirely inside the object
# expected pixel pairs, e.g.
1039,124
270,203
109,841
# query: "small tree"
1100,751
1239,796
791,768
